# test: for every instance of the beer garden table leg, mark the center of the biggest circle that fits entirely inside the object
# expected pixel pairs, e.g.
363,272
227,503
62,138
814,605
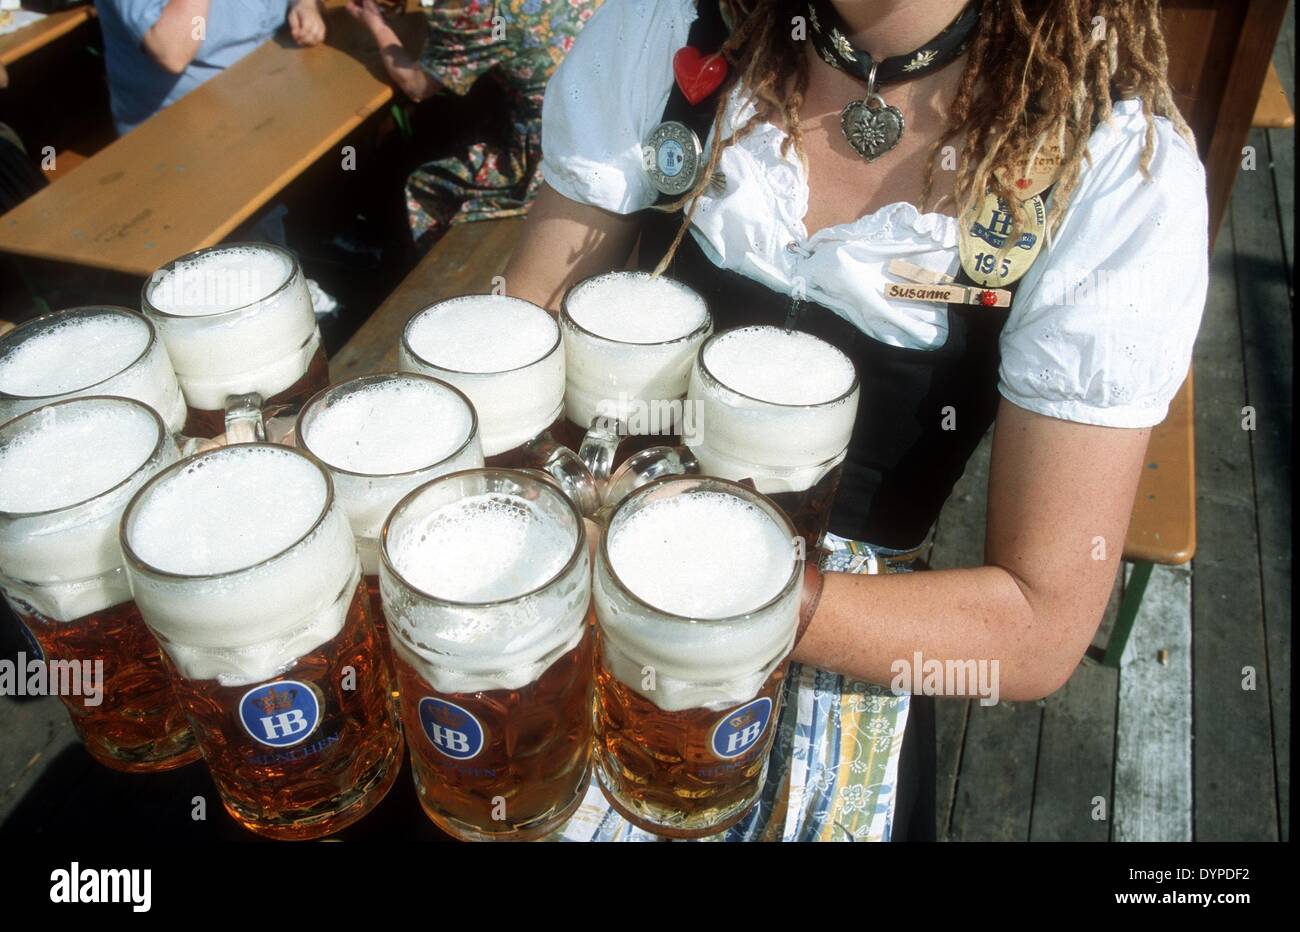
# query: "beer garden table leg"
1134,589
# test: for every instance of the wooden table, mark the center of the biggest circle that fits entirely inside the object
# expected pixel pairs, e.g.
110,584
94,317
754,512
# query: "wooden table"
15,45
462,262
191,174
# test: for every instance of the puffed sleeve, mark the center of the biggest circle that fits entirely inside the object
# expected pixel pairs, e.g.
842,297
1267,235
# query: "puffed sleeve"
607,95
1101,330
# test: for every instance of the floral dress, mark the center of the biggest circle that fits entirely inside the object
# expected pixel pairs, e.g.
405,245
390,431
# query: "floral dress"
518,44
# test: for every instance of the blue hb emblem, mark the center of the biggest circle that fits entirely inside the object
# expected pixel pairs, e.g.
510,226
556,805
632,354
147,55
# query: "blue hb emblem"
280,714
453,731
739,730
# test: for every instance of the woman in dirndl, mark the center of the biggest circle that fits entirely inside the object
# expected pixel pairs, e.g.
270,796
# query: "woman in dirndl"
995,209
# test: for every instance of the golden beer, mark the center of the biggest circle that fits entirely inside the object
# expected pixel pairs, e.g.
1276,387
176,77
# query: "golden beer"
486,584
696,593
67,471
245,568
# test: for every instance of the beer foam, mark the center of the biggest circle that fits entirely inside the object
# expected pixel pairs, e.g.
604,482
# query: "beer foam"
218,280
626,347
397,433
65,460
502,352
702,555
482,333
636,307
785,367
483,548
229,326
717,561
487,547
250,578
775,410
88,351
73,354
222,514
67,472
388,427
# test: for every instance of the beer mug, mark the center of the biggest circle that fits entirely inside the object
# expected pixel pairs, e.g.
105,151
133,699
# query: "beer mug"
88,351
486,584
776,407
239,326
67,471
696,592
629,338
245,569
505,354
380,436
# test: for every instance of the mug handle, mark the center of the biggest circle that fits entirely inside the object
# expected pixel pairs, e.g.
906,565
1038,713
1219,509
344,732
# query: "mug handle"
564,466
598,447
244,423
644,467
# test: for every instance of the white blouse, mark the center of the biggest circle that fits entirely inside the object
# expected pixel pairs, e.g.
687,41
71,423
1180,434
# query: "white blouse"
1101,329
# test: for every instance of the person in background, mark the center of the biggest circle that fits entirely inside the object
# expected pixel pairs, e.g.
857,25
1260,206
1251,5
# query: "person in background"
518,44
157,51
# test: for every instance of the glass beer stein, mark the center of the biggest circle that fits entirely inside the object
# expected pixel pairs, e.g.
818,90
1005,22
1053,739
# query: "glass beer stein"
696,593
67,471
777,408
486,584
380,436
629,339
239,326
244,567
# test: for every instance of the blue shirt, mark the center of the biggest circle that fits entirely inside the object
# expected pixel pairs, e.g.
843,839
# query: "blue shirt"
139,86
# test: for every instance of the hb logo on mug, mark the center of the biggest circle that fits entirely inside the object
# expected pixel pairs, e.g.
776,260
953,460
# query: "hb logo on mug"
453,731
280,714
739,730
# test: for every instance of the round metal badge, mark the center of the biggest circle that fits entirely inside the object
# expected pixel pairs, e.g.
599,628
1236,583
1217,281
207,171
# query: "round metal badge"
672,158
986,255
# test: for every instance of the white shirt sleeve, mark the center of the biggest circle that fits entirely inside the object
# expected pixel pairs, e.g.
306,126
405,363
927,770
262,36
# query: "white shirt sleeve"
606,96
1102,327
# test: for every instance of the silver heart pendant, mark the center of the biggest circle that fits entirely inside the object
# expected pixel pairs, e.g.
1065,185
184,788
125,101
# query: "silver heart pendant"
871,126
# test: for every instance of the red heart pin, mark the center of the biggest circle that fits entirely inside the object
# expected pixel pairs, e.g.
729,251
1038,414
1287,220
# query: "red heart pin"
698,75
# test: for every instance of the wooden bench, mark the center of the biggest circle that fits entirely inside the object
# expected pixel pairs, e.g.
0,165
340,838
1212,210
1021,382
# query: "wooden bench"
37,35
1273,111
194,172
462,262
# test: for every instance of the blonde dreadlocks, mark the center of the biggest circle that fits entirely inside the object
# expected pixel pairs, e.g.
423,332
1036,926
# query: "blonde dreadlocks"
1037,72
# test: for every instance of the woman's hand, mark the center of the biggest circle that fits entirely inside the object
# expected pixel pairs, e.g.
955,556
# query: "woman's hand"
367,12
306,24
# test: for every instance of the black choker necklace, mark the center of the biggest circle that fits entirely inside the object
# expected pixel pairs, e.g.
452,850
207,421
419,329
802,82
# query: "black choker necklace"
872,126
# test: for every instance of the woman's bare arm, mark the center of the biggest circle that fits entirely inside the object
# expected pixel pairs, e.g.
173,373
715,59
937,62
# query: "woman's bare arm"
1060,495
402,68
565,242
